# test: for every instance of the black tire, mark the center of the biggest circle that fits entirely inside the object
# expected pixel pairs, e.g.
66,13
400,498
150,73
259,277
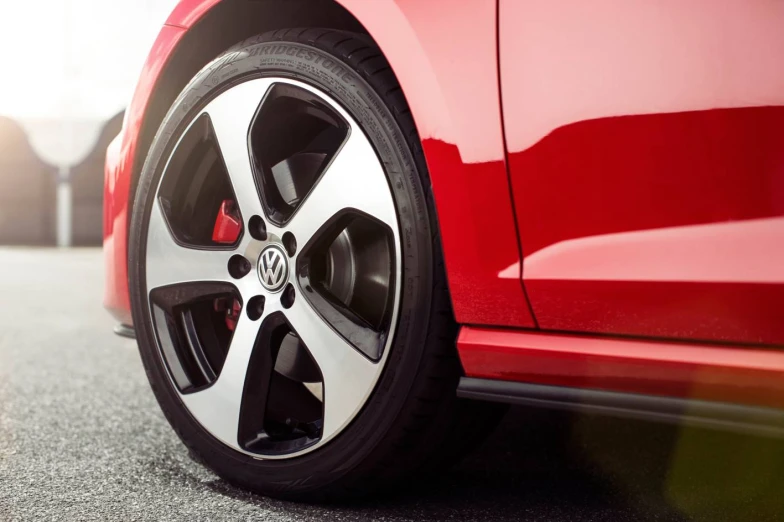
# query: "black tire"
413,418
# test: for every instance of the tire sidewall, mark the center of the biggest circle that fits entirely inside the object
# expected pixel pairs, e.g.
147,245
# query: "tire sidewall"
361,443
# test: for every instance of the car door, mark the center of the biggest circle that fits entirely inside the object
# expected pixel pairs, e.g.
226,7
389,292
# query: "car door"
646,157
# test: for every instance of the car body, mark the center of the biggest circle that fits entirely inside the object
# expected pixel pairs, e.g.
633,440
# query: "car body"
608,178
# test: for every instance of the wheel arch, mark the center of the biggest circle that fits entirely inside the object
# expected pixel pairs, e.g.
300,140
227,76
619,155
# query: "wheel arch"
212,26
437,72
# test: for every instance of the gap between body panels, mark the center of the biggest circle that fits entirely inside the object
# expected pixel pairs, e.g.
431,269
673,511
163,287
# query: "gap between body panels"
509,186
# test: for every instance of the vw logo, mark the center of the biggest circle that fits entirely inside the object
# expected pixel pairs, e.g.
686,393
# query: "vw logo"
273,268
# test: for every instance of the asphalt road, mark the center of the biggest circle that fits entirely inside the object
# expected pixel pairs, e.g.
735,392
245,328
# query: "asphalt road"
81,438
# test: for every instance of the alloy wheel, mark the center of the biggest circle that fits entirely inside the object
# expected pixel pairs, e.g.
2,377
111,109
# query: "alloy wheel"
272,267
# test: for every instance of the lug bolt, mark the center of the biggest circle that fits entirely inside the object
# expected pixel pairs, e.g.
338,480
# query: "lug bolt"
255,307
257,228
238,266
287,299
289,243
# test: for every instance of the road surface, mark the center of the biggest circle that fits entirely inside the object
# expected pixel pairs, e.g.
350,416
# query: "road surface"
81,438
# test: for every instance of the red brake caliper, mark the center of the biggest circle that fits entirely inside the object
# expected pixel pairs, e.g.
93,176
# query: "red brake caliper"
226,231
221,304
228,224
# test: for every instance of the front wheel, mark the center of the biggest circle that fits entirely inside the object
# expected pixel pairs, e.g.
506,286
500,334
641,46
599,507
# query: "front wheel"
286,279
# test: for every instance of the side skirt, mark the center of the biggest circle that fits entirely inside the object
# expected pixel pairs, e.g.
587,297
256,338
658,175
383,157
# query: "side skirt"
707,414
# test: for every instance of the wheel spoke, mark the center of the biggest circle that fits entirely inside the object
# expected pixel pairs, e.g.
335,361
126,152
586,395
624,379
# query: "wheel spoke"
355,180
169,263
348,377
231,114
218,407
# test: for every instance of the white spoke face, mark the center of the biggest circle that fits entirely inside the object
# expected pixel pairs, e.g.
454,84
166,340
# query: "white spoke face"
169,263
217,408
231,114
348,376
355,180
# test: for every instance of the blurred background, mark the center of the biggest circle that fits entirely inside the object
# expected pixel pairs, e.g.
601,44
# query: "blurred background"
69,69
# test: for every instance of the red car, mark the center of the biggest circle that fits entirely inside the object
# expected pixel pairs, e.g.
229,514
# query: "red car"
340,227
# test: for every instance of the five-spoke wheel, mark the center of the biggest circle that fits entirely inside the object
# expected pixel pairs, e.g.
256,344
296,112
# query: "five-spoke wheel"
286,281
317,289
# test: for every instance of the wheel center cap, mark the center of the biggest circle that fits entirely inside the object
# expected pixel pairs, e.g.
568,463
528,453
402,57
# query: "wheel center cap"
273,268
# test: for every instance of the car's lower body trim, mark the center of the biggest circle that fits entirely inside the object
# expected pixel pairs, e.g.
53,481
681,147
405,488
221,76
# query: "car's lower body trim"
706,414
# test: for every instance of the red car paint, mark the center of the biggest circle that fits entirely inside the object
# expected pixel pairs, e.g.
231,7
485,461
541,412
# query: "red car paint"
645,178
646,146
117,180
695,371
188,12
